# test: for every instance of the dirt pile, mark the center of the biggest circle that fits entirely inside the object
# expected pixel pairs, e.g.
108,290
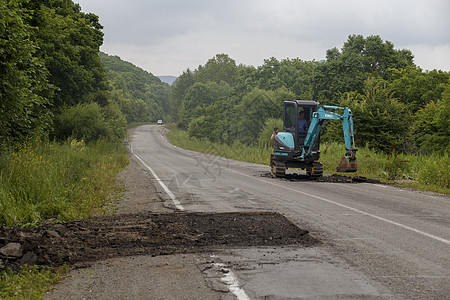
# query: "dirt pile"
79,242
334,178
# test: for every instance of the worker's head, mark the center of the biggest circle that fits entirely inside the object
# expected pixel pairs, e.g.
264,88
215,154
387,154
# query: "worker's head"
275,129
301,114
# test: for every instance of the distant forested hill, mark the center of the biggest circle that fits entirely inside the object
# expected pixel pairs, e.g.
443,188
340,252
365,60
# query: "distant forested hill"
141,96
167,79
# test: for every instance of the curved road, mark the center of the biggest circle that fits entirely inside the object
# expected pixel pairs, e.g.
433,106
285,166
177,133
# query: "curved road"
378,241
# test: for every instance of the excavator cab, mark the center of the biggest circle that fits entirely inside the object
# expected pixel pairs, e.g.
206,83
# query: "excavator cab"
294,113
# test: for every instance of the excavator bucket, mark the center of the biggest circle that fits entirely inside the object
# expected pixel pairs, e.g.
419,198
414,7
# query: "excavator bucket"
348,162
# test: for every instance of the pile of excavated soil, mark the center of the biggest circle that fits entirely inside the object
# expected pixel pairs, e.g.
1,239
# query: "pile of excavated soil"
334,178
78,243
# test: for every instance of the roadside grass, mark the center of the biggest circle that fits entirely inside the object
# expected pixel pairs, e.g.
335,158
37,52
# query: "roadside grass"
29,282
44,180
51,182
424,172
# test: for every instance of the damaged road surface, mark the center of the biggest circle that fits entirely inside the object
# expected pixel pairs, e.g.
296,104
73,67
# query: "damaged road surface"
79,243
203,227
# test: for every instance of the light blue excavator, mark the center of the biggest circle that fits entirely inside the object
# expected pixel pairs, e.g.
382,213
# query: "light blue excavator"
298,145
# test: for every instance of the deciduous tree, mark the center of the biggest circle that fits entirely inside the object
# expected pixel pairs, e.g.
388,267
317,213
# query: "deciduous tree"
24,92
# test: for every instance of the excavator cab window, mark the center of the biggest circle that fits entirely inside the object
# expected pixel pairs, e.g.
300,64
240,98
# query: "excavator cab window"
308,114
289,117
307,110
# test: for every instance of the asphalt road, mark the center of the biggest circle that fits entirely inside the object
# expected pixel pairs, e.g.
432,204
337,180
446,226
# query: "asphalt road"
378,241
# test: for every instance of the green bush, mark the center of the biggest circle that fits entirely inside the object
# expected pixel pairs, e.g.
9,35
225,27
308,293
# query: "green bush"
431,128
198,128
90,122
380,121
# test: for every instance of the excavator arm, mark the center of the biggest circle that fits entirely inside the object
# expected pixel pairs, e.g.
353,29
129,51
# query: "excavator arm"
348,161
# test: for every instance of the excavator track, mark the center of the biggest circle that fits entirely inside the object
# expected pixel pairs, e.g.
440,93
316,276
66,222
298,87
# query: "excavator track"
315,170
278,168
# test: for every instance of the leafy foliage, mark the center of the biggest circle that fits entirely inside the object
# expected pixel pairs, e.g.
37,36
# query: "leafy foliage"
90,122
431,129
416,88
67,75
217,69
141,96
69,41
359,59
379,83
380,120
179,89
24,90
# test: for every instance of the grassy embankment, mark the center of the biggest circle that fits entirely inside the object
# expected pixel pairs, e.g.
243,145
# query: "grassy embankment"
44,181
428,172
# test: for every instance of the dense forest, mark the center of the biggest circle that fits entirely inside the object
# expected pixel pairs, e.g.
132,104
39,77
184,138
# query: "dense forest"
54,81
56,85
395,103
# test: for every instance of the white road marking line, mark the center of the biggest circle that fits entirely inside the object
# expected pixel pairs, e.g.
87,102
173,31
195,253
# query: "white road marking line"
171,195
232,282
352,209
418,276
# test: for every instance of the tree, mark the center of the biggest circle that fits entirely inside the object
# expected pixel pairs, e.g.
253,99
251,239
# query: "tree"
380,121
267,75
251,114
179,89
217,69
199,97
431,128
90,122
68,42
24,93
245,79
416,88
359,59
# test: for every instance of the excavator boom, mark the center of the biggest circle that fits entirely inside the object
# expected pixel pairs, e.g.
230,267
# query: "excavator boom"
348,161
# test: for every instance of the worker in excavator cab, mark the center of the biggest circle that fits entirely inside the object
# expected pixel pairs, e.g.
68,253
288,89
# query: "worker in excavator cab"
302,127
302,123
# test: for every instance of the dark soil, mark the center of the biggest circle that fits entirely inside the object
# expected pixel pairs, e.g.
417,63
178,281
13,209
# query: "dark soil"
335,178
78,243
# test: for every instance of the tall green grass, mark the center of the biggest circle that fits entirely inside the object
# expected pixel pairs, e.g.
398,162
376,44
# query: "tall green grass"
29,282
425,172
43,180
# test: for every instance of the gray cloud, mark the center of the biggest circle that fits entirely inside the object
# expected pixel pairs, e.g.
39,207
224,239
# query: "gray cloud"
168,36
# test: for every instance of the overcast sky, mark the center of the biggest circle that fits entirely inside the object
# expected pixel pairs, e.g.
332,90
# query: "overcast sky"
165,37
